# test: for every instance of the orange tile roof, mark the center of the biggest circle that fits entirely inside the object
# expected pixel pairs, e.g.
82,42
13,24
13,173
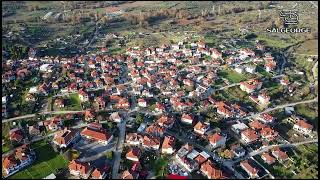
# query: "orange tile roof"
250,134
83,168
255,124
96,134
212,171
133,153
304,124
248,167
168,142
215,138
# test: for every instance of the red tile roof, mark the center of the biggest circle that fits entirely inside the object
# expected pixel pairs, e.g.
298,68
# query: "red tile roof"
215,138
212,171
248,167
304,124
96,134
83,168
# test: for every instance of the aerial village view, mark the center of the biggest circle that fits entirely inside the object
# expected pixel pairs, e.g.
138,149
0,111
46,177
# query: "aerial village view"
159,90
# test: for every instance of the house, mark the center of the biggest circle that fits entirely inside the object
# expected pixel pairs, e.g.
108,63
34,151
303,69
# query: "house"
211,171
142,102
53,124
270,66
284,81
268,133
279,154
98,173
188,82
133,139
238,150
184,150
151,142
159,107
265,118
167,145
165,121
186,118
217,140
99,103
263,98
225,111
201,127
303,127
65,137
83,96
97,133
127,175
251,85
215,53
267,158
133,154
252,172
239,69
256,125
123,104
79,169
89,115
189,164
16,135
201,158
250,69
34,130
115,117
249,136
59,103
239,127
30,97
155,129
20,158
247,52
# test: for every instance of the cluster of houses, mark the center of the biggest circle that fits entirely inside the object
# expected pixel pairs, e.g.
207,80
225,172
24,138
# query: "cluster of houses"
20,158
94,131
84,170
175,70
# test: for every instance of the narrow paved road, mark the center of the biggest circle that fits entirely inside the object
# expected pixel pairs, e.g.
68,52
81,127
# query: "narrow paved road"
282,106
118,151
260,151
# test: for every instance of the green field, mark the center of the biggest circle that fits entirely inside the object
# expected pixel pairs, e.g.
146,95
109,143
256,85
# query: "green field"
309,112
232,76
47,162
74,103
308,47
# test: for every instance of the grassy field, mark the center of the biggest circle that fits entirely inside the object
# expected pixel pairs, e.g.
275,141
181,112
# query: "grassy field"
308,47
274,42
47,162
74,103
309,113
232,76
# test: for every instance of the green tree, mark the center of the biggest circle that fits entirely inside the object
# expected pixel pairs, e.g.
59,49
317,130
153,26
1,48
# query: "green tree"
139,119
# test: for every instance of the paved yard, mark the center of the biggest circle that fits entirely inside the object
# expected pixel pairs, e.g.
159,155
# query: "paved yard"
93,152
